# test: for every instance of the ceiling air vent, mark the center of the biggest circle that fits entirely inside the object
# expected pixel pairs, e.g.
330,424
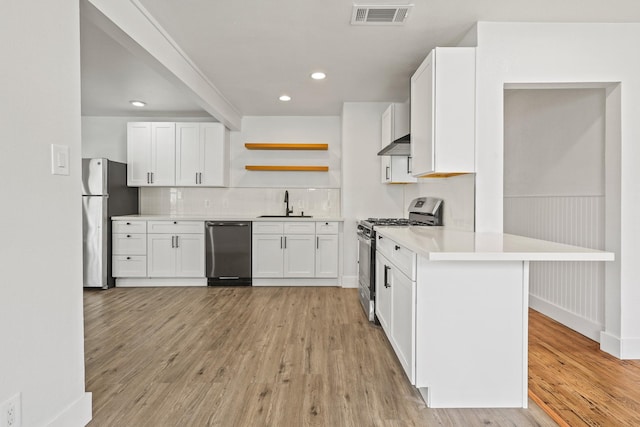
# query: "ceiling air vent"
380,14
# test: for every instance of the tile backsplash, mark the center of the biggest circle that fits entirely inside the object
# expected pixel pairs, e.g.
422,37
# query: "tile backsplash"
320,202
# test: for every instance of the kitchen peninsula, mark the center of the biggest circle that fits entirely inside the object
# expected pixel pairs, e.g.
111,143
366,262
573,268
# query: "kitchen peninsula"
454,306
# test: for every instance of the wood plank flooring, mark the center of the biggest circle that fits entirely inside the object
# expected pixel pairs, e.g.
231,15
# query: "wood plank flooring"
578,381
253,357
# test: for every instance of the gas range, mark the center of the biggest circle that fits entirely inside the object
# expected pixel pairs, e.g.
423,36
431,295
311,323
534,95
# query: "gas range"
390,222
423,211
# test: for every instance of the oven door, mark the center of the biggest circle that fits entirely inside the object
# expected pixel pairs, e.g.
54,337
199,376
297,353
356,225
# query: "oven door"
364,259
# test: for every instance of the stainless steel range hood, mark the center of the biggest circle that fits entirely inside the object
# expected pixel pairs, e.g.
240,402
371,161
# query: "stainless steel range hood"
399,147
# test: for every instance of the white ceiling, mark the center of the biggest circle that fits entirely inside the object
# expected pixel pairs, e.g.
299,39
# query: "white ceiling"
255,50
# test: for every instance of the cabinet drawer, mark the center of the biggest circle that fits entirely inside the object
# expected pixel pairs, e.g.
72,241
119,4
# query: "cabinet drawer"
175,227
129,266
328,227
402,257
405,260
129,244
384,245
129,227
269,227
299,228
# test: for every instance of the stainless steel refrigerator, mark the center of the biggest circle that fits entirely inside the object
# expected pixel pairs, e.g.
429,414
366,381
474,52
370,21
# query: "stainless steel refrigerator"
104,194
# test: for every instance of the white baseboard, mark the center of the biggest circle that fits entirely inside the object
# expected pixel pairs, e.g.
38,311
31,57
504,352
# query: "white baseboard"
150,282
579,324
295,282
78,414
625,348
349,281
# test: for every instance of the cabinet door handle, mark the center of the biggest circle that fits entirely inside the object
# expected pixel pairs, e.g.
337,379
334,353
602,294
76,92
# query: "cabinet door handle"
285,242
148,178
177,242
200,175
317,242
386,173
173,242
397,248
409,164
128,257
281,242
128,236
386,276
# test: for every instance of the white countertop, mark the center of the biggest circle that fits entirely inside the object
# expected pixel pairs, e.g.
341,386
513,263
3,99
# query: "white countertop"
439,244
216,218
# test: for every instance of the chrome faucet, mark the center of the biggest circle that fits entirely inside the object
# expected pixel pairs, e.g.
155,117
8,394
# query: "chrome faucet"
286,200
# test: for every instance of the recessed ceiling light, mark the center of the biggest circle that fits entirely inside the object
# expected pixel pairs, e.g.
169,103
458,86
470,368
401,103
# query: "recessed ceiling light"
138,103
285,98
319,75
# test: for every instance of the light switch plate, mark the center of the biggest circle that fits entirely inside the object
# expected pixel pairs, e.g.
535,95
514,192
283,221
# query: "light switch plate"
59,159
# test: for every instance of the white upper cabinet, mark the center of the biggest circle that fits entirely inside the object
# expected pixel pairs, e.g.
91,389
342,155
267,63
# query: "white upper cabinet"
443,113
394,125
177,154
151,154
202,151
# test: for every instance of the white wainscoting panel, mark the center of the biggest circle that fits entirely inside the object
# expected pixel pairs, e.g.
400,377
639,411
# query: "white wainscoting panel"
574,287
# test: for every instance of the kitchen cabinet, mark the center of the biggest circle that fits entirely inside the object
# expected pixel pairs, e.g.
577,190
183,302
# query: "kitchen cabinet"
129,249
299,255
283,249
443,113
202,151
327,246
150,154
396,300
267,255
296,249
383,292
175,249
394,125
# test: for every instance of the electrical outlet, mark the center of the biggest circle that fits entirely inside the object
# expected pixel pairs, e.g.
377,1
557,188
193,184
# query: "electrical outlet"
11,412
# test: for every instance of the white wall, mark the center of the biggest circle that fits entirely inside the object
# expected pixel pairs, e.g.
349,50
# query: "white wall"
41,315
303,129
363,195
520,53
554,181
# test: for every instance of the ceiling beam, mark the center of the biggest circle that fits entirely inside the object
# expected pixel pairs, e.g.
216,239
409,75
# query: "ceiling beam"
131,25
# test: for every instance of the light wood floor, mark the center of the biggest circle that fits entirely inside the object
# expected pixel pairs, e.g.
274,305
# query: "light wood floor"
578,381
253,357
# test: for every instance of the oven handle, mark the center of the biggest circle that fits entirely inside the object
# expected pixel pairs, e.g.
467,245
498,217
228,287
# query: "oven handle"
386,276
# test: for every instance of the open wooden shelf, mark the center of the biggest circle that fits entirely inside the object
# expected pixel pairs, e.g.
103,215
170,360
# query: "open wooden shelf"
288,168
284,146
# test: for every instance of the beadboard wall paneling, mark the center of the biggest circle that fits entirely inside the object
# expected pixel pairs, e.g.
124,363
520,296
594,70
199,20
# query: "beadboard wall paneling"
574,287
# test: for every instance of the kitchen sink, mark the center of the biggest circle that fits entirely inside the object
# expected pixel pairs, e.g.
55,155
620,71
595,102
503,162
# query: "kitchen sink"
285,216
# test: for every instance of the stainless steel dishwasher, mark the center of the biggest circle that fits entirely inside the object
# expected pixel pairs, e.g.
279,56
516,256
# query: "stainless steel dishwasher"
228,253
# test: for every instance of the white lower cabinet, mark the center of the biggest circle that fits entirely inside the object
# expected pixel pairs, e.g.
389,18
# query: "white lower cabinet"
326,255
175,255
383,292
299,255
403,320
395,303
129,249
268,255
296,249
158,249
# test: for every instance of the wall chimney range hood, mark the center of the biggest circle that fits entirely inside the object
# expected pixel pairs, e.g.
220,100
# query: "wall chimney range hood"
399,147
